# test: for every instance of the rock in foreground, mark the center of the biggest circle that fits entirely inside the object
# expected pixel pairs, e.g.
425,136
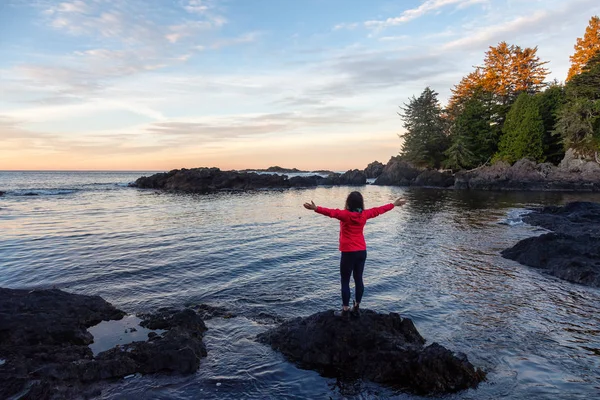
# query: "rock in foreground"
572,252
382,348
44,344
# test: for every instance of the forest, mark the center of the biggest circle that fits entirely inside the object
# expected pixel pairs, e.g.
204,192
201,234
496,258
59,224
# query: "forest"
505,110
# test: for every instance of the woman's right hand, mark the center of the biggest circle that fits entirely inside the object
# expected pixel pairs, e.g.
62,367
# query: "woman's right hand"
399,202
310,206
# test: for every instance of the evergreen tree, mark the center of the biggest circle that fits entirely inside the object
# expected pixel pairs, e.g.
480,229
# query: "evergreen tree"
585,48
523,131
460,155
424,140
474,133
550,102
579,119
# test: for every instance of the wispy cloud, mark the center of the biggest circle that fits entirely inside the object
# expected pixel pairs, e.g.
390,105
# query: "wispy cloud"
427,7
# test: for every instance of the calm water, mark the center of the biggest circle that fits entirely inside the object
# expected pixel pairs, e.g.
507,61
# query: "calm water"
262,255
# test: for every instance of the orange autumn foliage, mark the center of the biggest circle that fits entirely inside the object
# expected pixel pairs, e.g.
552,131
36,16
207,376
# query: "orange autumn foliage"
585,48
507,71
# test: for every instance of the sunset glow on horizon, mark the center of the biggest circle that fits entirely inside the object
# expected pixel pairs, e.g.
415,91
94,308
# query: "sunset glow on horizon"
157,85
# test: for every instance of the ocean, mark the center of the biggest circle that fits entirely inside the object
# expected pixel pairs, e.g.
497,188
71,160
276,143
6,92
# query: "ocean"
262,256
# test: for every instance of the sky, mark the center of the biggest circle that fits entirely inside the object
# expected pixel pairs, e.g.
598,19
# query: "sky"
310,84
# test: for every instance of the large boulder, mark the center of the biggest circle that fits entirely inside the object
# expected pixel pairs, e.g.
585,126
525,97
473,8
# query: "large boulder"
397,173
572,251
353,177
44,344
374,169
383,348
434,178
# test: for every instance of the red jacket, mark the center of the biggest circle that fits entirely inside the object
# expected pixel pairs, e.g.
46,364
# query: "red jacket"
352,224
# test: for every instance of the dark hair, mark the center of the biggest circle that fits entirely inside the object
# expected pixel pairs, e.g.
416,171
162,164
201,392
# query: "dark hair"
355,202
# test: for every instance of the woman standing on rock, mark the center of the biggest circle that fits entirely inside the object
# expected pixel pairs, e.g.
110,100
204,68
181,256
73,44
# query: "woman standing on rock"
352,243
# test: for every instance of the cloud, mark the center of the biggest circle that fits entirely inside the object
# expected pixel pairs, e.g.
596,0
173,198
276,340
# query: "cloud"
426,7
236,126
487,35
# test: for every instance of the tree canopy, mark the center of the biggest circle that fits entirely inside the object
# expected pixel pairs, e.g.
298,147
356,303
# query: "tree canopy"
505,110
425,139
585,48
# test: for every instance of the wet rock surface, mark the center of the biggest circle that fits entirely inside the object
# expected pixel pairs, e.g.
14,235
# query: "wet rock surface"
571,175
383,348
207,180
44,342
571,251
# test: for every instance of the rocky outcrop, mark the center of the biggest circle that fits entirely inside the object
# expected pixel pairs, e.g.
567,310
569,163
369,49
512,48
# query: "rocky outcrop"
283,170
44,344
206,180
374,169
433,178
527,175
383,348
353,177
397,173
572,251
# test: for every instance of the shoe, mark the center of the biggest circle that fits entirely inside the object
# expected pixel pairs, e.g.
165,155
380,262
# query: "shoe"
355,310
342,313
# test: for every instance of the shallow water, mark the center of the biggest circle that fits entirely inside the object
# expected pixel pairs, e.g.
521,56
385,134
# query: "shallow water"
262,256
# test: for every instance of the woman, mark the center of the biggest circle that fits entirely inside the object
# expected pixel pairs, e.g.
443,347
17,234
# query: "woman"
352,243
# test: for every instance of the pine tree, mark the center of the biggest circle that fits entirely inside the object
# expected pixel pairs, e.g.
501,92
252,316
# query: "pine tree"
474,133
424,140
585,48
523,131
579,119
550,101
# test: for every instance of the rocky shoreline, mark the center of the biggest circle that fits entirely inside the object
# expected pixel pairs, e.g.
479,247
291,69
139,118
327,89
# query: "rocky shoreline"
573,174
571,251
45,352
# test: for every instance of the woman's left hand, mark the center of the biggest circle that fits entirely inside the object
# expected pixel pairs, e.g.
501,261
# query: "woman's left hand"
310,206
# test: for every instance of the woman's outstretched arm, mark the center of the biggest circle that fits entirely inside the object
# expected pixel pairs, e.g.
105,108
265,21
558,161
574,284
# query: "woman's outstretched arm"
376,211
329,212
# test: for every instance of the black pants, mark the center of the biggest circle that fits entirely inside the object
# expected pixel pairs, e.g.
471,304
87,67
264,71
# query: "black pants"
352,263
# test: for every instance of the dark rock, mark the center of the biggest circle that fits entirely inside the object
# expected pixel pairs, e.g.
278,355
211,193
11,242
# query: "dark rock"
572,252
305,181
50,317
397,173
382,348
44,342
577,218
283,170
575,259
572,174
353,177
374,169
434,178
206,180
2,193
